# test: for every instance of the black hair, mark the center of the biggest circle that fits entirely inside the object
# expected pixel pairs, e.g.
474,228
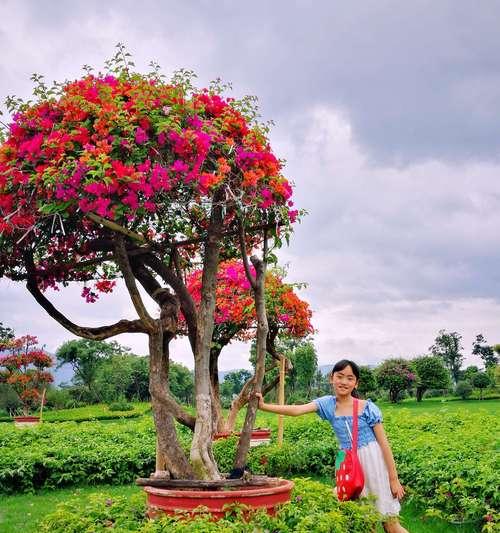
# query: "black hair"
341,365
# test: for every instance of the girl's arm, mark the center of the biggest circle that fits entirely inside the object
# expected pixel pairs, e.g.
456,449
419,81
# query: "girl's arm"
396,488
290,410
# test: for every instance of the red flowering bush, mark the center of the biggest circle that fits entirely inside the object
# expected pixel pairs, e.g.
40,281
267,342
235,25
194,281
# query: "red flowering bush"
24,368
235,308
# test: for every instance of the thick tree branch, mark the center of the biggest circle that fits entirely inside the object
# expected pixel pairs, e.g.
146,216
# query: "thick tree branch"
244,256
180,289
124,264
99,333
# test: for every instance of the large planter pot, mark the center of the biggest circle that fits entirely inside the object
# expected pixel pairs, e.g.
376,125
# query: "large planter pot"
172,501
26,421
258,436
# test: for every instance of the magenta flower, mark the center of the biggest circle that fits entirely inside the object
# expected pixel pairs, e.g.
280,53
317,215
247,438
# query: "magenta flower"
140,136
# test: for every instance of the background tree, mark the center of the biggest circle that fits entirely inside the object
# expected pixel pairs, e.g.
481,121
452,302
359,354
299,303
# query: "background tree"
6,333
367,381
127,176
233,384
468,373
463,389
86,356
395,375
481,381
25,369
486,352
430,374
304,366
181,383
448,346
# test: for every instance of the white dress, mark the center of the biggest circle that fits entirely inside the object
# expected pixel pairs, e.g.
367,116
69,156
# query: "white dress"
377,479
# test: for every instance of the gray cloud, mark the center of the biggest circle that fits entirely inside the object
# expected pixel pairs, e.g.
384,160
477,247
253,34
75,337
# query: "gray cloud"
388,115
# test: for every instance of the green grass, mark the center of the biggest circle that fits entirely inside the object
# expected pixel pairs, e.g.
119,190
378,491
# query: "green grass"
21,513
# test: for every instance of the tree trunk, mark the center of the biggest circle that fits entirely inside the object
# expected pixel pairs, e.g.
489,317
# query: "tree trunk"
218,422
420,393
201,455
242,399
171,459
237,404
262,331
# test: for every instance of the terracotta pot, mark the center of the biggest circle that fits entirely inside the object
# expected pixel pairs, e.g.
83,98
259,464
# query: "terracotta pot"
258,436
26,421
173,501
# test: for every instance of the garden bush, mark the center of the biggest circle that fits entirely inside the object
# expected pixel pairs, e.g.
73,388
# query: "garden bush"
313,508
120,405
454,478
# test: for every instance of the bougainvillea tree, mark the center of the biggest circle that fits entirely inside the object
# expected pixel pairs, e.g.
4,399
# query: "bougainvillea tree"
125,175
235,319
24,366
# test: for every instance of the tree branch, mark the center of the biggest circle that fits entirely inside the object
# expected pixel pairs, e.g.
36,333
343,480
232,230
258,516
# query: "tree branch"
124,264
244,256
180,289
99,333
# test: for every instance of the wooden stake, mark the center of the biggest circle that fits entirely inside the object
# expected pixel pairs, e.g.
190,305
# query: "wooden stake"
281,399
43,401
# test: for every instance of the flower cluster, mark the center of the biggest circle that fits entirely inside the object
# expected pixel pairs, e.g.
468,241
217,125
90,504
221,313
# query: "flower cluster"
134,150
235,304
24,368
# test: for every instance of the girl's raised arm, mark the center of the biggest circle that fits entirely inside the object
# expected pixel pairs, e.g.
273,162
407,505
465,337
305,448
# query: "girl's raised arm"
290,410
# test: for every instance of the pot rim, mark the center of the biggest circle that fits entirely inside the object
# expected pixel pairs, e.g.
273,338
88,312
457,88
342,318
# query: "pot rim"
282,485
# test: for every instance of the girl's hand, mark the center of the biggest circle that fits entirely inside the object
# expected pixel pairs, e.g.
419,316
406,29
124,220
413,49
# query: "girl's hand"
397,489
260,398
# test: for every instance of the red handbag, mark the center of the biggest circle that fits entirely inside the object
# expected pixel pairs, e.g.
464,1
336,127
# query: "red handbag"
349,476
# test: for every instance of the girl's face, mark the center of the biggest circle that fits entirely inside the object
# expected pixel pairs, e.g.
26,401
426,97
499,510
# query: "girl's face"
344,381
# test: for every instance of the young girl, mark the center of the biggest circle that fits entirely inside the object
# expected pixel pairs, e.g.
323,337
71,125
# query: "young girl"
374,452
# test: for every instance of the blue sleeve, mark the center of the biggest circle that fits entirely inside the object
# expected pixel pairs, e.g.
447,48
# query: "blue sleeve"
372,414
326,407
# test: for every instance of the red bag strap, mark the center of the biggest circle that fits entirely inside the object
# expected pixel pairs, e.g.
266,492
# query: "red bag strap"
355,425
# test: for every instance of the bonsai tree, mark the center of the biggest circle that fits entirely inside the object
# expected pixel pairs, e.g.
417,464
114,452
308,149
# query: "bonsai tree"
127,176
24,368
395,375
235,319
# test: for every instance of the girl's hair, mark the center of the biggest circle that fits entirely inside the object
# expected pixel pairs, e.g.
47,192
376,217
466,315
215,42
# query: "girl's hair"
341,365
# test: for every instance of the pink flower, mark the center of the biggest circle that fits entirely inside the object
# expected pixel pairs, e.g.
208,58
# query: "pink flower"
140,136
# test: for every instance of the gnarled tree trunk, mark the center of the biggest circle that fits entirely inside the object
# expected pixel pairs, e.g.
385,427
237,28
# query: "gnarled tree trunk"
262,331
201,455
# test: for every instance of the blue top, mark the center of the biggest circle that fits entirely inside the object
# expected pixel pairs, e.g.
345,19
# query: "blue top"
370,416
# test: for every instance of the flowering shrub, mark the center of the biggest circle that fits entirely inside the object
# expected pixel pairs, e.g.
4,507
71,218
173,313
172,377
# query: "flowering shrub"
24,369
396,376
235,308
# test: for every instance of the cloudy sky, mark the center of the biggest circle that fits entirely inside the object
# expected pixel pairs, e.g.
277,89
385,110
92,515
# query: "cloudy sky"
388,115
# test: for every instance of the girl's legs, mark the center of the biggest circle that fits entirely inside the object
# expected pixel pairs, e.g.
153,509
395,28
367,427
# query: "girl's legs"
393,526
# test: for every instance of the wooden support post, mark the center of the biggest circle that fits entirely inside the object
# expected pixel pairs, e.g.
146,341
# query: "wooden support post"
281,399
42,402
